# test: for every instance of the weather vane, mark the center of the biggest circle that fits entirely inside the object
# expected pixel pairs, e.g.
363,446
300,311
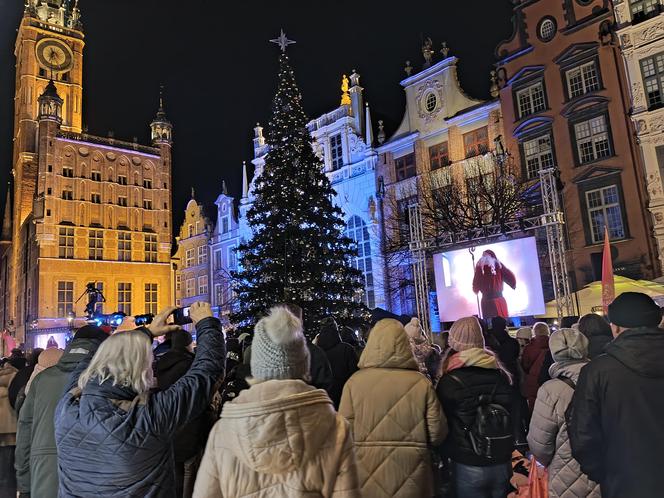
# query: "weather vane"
282,41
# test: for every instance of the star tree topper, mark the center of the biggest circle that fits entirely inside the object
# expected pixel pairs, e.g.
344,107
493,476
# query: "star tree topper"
282,41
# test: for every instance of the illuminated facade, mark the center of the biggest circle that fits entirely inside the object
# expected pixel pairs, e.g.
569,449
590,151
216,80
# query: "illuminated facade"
85,208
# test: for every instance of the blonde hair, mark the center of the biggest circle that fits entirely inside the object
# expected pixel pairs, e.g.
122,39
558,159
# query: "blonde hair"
125,358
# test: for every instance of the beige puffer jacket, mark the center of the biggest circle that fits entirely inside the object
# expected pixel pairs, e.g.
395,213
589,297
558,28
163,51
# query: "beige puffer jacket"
280,438
7,415
395,416
548,439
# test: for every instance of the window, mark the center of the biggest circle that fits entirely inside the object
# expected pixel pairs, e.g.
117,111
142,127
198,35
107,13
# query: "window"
65,298
178,282
151,298
96,244
538,155
67,194
95,198
202,285
357,230
99,307
439,155
191,230
643,9
652,69
190,287
476,142
603,207
232,258
147,204
336,152
189,258
582,80
151,248
405,166
66,243
217,260
403,208
124,297
531,99
224,225
592,139
124,246
95,176
68,172
547,29
122,201
122,180
202,255
218,294
147,183
407,291
430,102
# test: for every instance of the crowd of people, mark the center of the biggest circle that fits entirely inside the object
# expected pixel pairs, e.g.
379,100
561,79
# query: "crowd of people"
275,414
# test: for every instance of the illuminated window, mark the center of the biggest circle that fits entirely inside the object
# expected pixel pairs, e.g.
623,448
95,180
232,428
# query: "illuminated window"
357,230
66,243
202,285
189,261
476,142
336,152
96,244
65,298
124,297
232,258
151,298
202,255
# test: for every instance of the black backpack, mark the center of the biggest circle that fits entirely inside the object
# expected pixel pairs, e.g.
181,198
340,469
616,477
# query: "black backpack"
491,434
569,411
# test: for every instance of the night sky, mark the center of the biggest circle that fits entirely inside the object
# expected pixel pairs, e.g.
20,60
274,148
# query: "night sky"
220,71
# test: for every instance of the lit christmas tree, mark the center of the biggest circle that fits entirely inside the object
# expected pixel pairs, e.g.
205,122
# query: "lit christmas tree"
298,252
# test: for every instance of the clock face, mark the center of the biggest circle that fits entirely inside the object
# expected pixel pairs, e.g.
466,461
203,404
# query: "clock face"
54,55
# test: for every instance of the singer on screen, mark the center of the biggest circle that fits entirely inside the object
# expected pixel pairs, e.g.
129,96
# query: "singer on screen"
490,275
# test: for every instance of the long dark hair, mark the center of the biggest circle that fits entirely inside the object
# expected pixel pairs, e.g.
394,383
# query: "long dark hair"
593,324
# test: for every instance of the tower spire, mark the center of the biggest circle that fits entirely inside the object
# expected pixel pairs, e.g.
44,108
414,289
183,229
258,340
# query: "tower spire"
224,190
245,183
161,128
369,129
6,234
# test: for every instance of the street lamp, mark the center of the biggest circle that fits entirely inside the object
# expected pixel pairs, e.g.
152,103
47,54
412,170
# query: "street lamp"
70,320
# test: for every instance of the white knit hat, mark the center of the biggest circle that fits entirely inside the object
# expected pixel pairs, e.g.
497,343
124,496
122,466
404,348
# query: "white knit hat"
279,349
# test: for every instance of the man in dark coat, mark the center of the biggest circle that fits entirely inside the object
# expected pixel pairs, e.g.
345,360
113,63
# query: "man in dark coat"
113,442
616,429
342,357
36,457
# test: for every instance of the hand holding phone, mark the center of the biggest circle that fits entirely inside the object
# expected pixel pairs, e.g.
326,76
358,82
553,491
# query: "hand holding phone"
199,311
181,316
159,325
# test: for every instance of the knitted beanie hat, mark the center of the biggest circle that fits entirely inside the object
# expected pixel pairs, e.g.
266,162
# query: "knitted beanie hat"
413,329
279,349
541,329
466,333
568,344
524,333
634,309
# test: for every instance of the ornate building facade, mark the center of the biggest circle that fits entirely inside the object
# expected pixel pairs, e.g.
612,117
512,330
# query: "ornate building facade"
565,104
85,208
640,30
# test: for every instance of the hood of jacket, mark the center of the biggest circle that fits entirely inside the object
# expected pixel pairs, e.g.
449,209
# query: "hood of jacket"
640,350
7,373
568,368
171,358
77,350
388,347
328,338
276,426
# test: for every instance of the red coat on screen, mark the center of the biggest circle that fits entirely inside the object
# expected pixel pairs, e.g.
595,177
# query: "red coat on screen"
490,275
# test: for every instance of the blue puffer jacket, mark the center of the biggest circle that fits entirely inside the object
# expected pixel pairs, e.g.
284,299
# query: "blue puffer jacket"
112,443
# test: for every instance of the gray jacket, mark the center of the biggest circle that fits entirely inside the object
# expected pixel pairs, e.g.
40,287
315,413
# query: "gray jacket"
548,439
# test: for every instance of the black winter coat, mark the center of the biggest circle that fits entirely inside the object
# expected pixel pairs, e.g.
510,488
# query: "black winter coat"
617,430
460,406
597,344
507,350
320,371
114,444
343,361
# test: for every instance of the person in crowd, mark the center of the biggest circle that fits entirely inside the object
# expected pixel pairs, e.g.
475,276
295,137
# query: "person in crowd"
190,438
17,359
350,336
282,436
472,373
394,415
427,355
341,356
598,332
36,456
112,430
7,433
508,347
532,359
548,439
523,336
616,427
17,387
47,359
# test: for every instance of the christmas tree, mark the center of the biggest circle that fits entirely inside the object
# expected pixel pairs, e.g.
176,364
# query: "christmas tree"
298,252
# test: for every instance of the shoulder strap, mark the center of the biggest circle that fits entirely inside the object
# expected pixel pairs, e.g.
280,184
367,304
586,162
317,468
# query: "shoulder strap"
568,381
456,379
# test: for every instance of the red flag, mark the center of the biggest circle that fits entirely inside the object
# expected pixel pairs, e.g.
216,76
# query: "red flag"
608,289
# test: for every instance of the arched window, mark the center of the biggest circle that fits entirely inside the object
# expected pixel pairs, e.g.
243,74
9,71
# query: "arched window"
357,230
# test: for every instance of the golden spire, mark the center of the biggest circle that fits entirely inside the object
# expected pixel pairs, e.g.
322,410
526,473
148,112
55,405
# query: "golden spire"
345,97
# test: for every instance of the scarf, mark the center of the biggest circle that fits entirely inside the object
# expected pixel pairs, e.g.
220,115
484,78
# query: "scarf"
475,357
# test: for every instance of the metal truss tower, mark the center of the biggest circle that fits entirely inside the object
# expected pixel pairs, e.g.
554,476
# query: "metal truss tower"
418,246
